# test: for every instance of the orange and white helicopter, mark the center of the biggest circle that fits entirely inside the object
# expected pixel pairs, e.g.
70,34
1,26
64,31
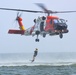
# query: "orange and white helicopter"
51,25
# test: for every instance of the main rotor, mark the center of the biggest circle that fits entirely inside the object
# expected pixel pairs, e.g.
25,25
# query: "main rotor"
45,10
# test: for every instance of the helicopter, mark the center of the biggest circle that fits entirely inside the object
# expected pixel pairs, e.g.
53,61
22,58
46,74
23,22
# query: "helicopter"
43,25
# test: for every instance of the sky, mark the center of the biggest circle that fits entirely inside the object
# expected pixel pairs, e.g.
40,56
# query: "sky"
11,43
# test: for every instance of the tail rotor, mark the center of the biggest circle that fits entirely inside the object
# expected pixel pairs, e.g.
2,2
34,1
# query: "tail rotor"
15,22
18,15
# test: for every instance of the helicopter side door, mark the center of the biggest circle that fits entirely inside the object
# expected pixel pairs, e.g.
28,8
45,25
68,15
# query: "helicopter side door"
40,24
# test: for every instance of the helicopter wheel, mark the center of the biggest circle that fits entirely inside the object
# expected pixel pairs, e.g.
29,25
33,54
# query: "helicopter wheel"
44,35
61,35
37,40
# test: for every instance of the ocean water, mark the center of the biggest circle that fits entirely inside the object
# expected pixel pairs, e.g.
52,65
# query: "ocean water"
60,63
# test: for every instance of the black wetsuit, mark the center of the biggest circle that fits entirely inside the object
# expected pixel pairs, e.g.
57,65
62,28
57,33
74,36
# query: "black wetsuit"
35,53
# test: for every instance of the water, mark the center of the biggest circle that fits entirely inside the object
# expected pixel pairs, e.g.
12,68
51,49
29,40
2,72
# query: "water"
45,64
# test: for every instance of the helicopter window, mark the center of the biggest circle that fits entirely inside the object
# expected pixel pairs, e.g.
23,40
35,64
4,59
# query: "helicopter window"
59,21
63,21
55,21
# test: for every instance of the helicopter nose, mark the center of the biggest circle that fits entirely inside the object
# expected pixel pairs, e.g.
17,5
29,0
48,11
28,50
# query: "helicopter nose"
61,26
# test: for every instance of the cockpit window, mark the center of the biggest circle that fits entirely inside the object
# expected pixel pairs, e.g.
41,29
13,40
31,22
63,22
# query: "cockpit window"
55,20
63,21
59,21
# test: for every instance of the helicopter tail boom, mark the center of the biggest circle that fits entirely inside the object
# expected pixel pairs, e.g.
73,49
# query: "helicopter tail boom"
11,31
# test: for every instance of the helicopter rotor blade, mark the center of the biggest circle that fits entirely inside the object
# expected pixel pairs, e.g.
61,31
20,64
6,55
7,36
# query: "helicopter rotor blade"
64,11
40,5
50,11
21,10
17,14
44,8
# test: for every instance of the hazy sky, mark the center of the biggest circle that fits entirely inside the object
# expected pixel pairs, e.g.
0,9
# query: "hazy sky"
10,43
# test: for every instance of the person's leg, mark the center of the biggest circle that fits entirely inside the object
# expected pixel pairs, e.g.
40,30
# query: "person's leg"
33,59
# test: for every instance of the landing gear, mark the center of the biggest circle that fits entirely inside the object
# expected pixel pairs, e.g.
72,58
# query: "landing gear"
37,40
44,35
37,33
60,35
